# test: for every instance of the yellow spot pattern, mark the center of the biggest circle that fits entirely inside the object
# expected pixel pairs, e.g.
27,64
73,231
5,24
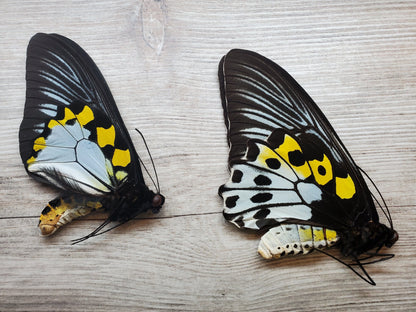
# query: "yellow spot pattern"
31,160
53,123
266,153
344,187
106,136
325,163
39,144
85,116
305,234
121,157
65,211
331,236
94,205
68,116
120,175
53,216
290,145
318,234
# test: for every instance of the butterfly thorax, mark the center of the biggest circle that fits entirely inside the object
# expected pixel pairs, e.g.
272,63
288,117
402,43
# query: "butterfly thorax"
132,199
358,240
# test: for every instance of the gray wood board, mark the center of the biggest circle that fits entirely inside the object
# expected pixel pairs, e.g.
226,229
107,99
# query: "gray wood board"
160,58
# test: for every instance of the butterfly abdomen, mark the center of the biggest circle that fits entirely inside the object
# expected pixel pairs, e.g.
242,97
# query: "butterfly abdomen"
293,239
63,210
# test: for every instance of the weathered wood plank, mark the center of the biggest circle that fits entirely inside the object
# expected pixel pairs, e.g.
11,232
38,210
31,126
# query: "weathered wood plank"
195,263
160,58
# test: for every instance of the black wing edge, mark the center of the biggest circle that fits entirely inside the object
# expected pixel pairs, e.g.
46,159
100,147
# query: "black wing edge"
243,72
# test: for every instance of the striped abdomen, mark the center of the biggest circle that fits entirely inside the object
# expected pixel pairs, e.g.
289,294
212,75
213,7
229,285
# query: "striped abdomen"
292,239
63,210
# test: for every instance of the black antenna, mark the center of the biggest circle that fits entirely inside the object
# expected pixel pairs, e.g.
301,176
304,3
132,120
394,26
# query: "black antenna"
385,210
383,257
157,186
93,233
97,232
366,277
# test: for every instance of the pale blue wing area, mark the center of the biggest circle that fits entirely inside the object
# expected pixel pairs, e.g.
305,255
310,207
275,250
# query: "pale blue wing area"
266,190
246,202
66,159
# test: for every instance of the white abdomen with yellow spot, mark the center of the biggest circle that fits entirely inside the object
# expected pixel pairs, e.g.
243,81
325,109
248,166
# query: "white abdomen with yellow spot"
293,239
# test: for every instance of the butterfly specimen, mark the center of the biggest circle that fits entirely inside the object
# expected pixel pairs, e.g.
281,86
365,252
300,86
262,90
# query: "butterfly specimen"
72,137
290,173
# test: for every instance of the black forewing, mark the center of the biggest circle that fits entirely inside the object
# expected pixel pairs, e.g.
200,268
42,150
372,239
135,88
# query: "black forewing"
258,97
59,73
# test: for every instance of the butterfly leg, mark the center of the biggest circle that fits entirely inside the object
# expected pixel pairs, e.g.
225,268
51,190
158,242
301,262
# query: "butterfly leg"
64,209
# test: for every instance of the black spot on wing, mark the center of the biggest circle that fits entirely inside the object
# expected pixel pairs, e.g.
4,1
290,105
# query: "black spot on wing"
273,163
321,170
262,180
237,175
276,138
296,158
261,197
266,223
231,201
262,213
239,222
71,122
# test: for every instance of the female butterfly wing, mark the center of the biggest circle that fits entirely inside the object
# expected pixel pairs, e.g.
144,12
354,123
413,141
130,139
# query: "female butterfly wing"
290,172
72,137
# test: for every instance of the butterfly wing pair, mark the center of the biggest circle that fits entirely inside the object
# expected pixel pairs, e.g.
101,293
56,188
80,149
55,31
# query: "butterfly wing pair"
290,172
72,137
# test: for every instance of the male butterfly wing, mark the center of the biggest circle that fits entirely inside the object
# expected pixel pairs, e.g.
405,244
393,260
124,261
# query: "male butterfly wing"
288,166
72,136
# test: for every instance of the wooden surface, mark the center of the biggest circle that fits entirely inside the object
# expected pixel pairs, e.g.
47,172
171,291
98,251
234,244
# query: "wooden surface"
357,60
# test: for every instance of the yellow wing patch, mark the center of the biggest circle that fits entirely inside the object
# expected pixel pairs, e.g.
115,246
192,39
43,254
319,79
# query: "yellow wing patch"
266,153
288,146
106,136
345,187
31,160
39,144
322,170
68,116
85,116
53,123
121,175
121,157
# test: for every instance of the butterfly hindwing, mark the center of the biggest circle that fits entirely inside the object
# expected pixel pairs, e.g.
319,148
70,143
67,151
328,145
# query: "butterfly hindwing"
72,135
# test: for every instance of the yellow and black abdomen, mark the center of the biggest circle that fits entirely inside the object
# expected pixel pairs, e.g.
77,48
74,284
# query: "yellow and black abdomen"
63,210
293,239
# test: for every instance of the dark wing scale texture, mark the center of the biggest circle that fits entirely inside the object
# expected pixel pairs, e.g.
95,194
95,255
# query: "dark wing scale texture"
61,74
259,97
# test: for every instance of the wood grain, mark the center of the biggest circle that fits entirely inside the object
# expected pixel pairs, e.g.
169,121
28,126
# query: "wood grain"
355,58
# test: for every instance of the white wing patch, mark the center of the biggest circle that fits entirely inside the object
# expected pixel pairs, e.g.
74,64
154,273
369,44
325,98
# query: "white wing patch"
67,157
266,190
